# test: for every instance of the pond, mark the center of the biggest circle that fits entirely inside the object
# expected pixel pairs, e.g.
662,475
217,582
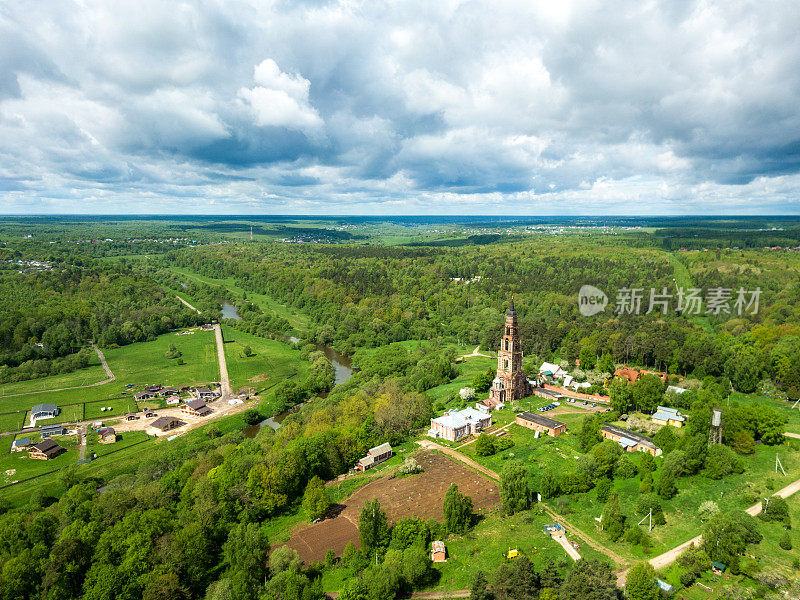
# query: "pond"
229,312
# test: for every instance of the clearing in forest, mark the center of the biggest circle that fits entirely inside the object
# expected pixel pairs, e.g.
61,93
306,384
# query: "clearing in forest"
420,495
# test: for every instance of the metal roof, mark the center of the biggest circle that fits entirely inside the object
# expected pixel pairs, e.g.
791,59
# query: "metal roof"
540,420
44,408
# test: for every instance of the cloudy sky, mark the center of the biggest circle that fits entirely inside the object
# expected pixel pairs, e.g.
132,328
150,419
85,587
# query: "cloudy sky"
405,107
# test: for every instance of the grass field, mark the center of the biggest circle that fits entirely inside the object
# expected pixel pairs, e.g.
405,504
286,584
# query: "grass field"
91,374
138,364
124,440
16,466
469,368
271,361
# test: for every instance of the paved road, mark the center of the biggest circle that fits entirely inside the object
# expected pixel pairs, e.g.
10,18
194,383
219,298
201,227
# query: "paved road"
562,539
111,377
187,304
225,382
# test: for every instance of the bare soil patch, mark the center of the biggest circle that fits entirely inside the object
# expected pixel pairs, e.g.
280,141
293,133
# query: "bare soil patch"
420,495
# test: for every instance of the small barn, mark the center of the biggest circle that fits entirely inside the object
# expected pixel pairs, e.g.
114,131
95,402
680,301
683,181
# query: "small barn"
375,456
668,416
45,450
20,444
438,552
540,423
107,435
51,430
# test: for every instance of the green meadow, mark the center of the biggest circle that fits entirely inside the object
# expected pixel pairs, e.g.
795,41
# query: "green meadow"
139,364
271,361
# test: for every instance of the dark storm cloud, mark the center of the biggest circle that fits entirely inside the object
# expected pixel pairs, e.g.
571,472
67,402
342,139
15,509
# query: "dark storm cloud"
404,106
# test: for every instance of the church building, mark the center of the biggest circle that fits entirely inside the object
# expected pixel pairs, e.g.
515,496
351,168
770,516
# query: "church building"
511,382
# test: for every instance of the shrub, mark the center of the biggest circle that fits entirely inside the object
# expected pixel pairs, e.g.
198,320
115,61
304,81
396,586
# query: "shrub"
786,542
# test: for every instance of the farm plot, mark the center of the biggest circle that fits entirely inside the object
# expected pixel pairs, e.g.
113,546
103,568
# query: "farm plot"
419,495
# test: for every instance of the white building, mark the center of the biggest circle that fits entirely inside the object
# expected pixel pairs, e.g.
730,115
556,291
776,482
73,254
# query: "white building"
456,424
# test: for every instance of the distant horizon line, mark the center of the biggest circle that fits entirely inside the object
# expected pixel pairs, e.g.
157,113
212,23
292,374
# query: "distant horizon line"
397,215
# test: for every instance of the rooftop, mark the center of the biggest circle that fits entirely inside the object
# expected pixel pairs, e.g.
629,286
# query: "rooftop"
540,420
630,435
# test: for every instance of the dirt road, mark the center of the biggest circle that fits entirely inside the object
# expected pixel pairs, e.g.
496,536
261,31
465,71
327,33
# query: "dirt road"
792,435
429,445
187,304
106,368
225,381
475,353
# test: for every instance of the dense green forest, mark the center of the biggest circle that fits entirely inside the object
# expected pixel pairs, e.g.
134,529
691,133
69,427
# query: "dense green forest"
47,317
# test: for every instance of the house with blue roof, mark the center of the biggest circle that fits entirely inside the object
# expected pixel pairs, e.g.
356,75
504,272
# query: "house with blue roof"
668,416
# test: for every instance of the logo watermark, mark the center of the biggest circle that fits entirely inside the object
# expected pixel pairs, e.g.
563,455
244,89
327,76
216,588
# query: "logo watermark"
691,301
591,300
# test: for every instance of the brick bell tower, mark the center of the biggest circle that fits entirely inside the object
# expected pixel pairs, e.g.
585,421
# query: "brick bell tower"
511,382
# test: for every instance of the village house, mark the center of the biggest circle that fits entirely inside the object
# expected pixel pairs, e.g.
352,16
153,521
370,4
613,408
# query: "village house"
668,416
44,411
168,391
173,400
141,396
153,389
166,423
107,435
438,552
51,430
374,456
629,440
454,425
541,423
630,374
490,404
45,450
196,408
203,393
552,370
20,444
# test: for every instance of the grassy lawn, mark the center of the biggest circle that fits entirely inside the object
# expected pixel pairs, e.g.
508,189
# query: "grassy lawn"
16,465
487,544
271,361
144,363
468,368
91,374
124,440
